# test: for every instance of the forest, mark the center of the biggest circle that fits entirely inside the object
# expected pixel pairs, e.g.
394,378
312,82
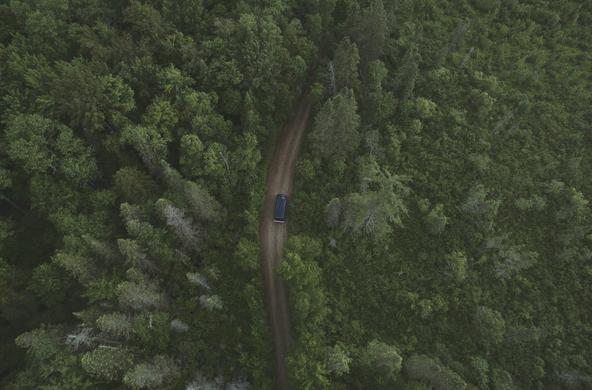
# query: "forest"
440,228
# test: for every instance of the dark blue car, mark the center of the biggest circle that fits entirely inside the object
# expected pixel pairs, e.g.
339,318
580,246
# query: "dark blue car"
279,211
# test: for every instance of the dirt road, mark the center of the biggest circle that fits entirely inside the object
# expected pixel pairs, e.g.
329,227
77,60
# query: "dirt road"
273,235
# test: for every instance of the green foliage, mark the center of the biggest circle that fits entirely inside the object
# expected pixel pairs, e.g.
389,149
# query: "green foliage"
436,220
480,369
378,205
211,302
308,307
41,145
115,324
106,103
149,142
134,185
444,178
150,375
217,161
101,289
47,282
501,380
457,263
380,103
84,100
333,212
425,369
106,362
7,272
345,66
63,372
191,158
161,115
301,271
425,108
139,295
370,30
153,329
81,268
132,252
203,205
407,74
490,325
382,361
335,132
41,344
338,360
248,156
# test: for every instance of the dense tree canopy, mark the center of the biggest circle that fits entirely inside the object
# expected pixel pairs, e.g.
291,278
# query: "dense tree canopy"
455,227
440,229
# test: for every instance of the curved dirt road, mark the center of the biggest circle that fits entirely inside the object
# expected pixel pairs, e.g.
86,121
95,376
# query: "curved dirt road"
273,235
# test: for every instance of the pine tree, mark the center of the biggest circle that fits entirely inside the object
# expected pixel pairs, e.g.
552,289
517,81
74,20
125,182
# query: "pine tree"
191,158
81,268
106,362
140,295
115,324
203,205
371,29
151,375
335,130
41,344
346,60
